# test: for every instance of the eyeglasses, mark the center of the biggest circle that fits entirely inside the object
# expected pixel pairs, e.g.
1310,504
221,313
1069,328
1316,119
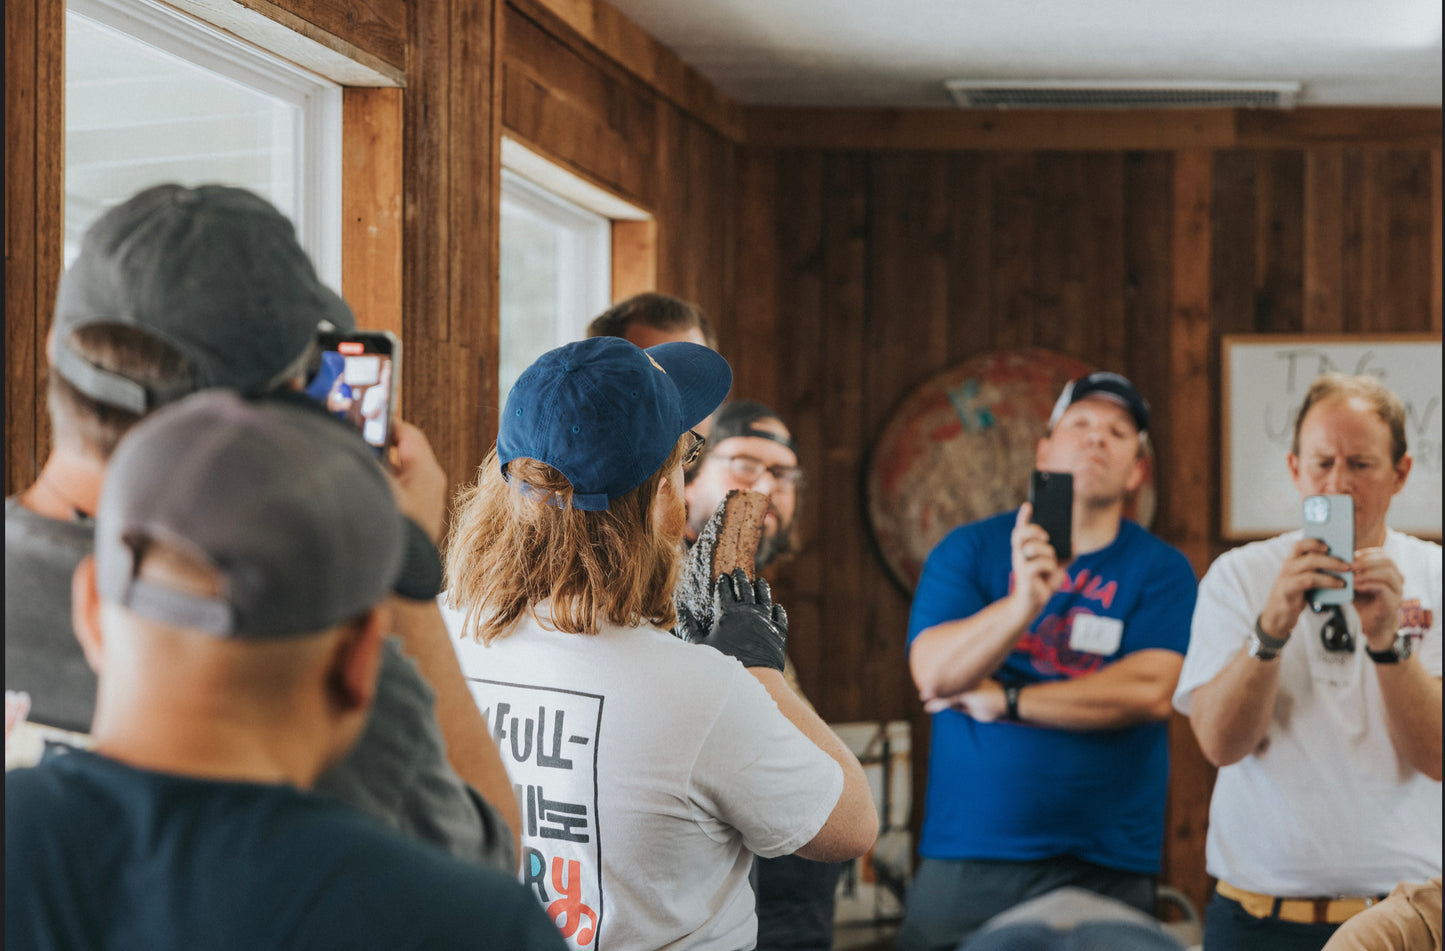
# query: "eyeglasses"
1335,635
695,450
750,469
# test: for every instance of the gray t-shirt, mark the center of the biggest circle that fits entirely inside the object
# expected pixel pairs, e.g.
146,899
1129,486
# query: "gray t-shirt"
398,771
42,656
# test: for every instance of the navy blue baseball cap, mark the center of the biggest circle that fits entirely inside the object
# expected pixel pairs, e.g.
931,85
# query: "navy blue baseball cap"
606,413
1106,385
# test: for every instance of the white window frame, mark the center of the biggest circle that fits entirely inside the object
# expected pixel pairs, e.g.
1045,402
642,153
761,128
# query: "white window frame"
317,161
584,278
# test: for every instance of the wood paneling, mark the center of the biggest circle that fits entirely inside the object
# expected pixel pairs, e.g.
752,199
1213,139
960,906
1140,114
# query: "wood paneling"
606,36
598,117
34,223
1109,130
375,27
371,223
1187,468
1133,260
451,183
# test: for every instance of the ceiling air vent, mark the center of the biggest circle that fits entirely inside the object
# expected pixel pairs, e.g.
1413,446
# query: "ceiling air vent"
1119,94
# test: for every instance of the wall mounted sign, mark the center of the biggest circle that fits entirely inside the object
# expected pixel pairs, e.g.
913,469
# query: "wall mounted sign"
1265,377
960,447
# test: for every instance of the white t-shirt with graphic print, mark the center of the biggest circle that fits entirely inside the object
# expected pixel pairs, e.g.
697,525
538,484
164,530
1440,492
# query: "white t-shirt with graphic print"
649,772
1326,806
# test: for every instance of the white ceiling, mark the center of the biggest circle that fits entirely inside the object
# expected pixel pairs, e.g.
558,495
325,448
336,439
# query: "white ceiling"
897,53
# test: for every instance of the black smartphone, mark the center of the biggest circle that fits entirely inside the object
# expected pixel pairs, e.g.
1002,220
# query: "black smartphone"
358,380
1332,519
1052,496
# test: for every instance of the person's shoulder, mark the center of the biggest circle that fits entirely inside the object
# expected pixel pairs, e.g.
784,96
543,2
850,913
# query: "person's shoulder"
51,787
24,527
1411,545
1264,551
1140,540
979,531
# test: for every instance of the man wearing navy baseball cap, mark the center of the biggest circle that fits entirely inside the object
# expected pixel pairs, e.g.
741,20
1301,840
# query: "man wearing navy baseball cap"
179,289
235,607
651,769
1049,679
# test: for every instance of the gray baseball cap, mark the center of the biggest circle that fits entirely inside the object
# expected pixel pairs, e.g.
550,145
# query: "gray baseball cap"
287,504
215,272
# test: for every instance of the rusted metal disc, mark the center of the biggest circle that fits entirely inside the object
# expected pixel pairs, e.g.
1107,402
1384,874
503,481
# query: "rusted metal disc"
961,446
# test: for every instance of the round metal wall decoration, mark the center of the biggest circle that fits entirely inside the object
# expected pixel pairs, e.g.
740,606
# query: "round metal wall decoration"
961,446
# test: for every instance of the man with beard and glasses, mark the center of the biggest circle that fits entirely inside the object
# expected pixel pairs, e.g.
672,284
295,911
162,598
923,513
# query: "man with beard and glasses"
751,448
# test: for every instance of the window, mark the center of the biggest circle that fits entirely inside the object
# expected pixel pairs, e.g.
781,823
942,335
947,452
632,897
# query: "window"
555,273
556,257
154,95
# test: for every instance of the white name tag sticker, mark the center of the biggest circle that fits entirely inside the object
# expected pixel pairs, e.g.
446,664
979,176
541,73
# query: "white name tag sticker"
1092,634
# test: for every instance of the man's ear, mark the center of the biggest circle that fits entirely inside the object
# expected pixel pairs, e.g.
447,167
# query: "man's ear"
1402,471
85,613
357,660
1136,478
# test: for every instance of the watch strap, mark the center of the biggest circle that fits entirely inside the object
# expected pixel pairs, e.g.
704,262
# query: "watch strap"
1269,643
1394,654
1011,702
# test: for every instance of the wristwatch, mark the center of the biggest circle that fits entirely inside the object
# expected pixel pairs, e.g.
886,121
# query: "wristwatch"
1264,647
1396,652
1011,702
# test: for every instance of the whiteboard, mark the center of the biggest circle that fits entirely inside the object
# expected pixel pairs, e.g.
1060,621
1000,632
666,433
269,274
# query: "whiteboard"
1265,379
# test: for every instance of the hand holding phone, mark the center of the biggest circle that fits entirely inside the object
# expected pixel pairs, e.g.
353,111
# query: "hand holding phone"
1052,496
359,381
1331,518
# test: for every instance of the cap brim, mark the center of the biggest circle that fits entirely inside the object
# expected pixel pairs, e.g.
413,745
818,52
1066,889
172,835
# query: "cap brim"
702,377
420,576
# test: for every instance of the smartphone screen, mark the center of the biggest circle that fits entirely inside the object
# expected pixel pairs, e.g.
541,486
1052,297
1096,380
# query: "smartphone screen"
358,380
1052,496
1332,519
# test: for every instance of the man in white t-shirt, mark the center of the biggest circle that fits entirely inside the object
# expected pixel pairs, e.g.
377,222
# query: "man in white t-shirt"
650,769
1325,721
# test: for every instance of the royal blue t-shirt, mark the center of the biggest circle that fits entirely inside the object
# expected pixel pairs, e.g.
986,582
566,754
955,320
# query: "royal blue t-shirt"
1015,792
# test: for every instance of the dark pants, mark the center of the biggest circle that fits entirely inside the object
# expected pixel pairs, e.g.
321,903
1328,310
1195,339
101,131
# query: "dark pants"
795,903
950,898
1228,927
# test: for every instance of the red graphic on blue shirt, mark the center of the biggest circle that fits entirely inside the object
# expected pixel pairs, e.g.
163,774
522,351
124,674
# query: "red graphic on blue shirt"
1047,643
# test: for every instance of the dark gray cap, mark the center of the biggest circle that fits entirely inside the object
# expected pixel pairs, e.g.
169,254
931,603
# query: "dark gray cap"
213,271
736,418
288,505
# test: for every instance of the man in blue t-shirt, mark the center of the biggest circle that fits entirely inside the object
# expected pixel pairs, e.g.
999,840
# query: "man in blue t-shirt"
1050,684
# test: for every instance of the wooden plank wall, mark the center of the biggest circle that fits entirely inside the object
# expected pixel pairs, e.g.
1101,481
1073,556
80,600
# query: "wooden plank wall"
566,99
887,266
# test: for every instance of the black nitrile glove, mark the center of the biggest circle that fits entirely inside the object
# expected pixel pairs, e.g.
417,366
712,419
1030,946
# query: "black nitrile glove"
689,626
747,624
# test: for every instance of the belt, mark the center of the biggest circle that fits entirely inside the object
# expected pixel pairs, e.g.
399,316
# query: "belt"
1309,911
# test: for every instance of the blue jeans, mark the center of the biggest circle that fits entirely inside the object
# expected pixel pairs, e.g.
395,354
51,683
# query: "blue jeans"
1228,927
950,898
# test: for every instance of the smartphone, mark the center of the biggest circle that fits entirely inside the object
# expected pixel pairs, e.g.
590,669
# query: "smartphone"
1332,519
358,380
1052,496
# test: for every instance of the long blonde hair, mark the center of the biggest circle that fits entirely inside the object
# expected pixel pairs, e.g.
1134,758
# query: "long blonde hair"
512,546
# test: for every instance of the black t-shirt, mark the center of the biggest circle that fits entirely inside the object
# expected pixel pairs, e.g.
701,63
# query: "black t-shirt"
101,855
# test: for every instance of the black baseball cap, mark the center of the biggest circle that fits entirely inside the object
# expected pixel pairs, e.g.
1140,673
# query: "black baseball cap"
1102,383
